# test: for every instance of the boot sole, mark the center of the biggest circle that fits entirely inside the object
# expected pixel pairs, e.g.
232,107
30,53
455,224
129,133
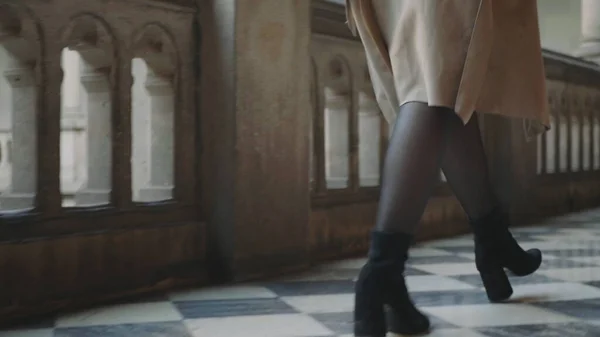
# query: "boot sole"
368,329
390,322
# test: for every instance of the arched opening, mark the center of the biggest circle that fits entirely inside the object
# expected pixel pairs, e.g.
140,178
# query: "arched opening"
369,135
337,106
18,110
563,142
153,116
86,115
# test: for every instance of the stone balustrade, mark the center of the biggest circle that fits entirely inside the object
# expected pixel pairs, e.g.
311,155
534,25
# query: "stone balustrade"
96,109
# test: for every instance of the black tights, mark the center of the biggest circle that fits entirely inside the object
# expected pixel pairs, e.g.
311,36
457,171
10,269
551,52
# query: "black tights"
424,140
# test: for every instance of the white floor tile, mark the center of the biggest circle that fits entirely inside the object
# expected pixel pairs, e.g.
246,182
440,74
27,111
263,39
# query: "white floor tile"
435,283
549,292
554,245
28,333
427,252
470,256
580,231
454,242
592,260
586,274
454,333
258,326
321,303
447,269
490,315
530,230
320,273
223,293
347,264
122,314
568,238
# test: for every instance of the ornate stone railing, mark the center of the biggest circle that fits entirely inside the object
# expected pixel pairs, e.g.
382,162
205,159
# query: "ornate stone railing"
568,156
99,109
99,153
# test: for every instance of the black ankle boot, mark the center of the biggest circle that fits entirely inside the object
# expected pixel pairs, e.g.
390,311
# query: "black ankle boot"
380,284
496,249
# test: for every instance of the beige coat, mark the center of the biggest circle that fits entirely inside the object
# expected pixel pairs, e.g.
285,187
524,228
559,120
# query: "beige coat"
468,55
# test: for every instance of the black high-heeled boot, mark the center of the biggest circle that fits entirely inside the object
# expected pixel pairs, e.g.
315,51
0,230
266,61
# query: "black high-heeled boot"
496,249
381,284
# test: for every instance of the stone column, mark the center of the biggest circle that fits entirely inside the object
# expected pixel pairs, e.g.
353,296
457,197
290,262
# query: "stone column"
590,30
23,151
140,124
255,119
73,126
337,140
369,137
160,157
96,101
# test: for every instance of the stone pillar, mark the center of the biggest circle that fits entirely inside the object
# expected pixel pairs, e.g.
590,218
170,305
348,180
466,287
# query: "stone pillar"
96,102
160,160
337,140
73,126
23,149
369,137
255,119
5,126
140,125
590,30
153,134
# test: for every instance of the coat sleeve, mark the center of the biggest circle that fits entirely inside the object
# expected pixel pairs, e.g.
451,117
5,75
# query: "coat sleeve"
350,18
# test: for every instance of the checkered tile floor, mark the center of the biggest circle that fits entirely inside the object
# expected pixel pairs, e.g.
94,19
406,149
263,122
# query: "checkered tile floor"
562,299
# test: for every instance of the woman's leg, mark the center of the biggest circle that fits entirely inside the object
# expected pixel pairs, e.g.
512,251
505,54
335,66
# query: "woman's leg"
466,169
411,167
410,172
465,165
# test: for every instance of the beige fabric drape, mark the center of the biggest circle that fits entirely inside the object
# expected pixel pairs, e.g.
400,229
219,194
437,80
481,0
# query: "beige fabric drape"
468,55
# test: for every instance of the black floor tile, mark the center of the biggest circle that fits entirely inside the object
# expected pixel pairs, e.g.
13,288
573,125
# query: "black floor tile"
582,309
438,259
168,329
475,280
230,308
549,330
447,298
303,288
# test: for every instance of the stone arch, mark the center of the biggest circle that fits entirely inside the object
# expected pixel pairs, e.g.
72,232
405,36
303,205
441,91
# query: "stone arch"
154,92
338,75
91,36
20,61
156,45
337,106
21,32
89,67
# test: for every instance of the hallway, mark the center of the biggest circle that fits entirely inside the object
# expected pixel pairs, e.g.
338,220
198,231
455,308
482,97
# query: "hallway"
562,299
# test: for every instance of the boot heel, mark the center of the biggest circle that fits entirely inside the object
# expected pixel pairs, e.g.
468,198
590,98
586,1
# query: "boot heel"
371,325
497,285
